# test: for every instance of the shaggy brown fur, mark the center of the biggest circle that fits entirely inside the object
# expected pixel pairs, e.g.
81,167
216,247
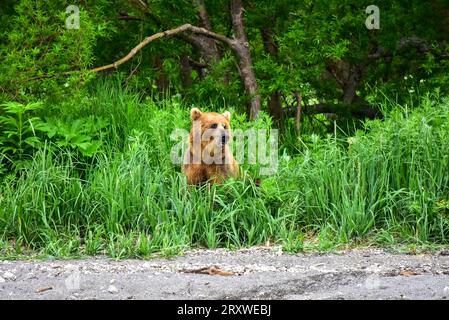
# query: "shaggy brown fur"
209,157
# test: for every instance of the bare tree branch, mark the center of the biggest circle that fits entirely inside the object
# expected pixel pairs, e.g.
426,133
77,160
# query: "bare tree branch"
203,15
164,34
241,48
239,45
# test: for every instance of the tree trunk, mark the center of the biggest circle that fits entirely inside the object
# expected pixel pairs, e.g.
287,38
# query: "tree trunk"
186,72
275,106
349,77
205,42
274,103
162,82
206,46
298,113
241,47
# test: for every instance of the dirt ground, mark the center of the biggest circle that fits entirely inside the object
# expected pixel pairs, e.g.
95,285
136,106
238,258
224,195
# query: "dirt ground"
257,273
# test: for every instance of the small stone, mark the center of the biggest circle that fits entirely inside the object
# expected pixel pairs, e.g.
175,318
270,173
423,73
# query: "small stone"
2,280
444,253
112,281
9,276
112,289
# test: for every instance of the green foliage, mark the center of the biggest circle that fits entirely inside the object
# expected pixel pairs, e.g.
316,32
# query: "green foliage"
19,130
214,89
23,133
38,44
80,134
387,184
308,35
89,170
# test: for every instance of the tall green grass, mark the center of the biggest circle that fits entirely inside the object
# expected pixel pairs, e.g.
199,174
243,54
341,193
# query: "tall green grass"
387,184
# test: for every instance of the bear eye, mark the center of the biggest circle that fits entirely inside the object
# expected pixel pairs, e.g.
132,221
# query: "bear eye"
224,126
214,126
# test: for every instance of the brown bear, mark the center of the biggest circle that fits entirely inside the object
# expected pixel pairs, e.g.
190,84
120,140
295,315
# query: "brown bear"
209,157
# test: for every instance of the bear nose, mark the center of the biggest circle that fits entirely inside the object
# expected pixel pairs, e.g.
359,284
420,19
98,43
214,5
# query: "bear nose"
224,138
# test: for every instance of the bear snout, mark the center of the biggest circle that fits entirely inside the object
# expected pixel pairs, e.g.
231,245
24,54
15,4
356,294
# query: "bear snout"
224,138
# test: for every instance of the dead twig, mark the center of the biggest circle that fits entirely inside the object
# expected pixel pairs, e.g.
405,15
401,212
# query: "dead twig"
212,270
40,290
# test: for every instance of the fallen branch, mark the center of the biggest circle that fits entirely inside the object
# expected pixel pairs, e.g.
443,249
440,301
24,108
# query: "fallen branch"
212,270
40,290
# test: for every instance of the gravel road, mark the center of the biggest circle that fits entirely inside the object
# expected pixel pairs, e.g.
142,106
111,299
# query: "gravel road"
256,273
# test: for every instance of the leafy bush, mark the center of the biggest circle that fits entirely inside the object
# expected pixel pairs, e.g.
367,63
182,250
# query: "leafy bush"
19,130
83,135
38,46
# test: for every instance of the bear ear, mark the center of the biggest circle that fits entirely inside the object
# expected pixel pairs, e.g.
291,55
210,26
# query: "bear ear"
227,115
195,114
